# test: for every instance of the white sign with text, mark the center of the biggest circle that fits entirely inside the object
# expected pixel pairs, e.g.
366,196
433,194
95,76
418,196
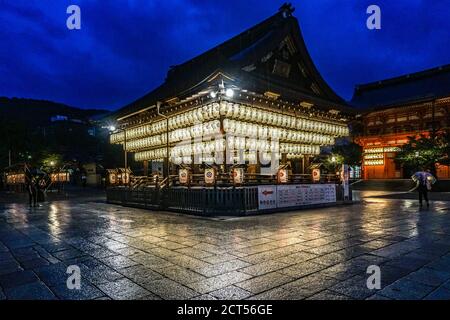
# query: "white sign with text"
285,196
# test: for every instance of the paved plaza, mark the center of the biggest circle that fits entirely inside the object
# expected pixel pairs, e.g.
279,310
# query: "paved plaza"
126,253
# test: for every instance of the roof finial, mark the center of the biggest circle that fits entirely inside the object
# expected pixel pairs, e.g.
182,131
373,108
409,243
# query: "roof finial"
286,9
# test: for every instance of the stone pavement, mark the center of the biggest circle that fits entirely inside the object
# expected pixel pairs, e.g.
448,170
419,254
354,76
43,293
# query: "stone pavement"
126,253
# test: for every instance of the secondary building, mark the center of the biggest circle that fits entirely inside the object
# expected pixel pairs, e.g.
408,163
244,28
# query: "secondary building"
398,108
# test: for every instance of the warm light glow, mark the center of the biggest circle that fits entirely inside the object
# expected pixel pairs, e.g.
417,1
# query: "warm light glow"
374,162
229,126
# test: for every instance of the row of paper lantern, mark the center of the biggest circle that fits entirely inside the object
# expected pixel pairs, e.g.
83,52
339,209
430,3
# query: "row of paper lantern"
195,116
242,112
234,111
210,148
234,128
146,143
243,143
374,162
253,114
256,130
151,154
299,149
374,150
196,131
199,148
374,156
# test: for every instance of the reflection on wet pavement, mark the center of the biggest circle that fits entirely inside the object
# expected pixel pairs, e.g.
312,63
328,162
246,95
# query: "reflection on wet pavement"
126,253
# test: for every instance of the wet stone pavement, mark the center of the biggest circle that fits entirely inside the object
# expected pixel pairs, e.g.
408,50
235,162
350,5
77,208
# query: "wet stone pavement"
126,253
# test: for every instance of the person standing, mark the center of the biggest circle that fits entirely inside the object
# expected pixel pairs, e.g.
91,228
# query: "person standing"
424,180
83,179
30,183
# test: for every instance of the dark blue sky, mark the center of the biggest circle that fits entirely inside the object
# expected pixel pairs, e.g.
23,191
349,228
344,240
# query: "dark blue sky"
124,48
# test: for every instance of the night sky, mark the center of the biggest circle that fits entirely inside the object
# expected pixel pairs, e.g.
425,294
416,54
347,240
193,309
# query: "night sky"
124,48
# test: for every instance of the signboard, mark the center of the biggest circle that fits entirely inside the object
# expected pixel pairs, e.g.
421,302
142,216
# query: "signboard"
267,197
285,196
305,194
210,176
282,176
345,182
183,176
316,175
238,175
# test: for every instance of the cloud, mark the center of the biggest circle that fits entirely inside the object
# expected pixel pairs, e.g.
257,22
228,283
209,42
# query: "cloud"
125,48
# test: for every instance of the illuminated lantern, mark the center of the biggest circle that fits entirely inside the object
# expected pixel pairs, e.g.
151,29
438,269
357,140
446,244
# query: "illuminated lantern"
282,176
238,176
316,175
210,176
183,176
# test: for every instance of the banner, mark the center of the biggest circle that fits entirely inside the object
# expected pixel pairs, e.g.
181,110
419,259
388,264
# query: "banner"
345,182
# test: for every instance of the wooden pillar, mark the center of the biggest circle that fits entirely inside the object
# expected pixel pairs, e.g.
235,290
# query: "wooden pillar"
284,158
306,163
303,165
145,164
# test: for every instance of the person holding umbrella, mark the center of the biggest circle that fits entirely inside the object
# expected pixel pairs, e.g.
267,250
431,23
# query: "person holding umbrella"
424,180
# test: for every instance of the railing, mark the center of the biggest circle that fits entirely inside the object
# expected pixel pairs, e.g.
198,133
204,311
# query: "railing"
144,198
196,200
206,201
144,181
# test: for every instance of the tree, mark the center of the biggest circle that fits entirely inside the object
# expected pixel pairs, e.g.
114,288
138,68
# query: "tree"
349,153
426,151
51,160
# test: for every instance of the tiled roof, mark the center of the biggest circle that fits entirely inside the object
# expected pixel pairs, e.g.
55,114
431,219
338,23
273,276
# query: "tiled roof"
421,86
241,58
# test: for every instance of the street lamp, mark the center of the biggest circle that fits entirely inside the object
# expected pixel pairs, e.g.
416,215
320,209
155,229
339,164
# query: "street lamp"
229,93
